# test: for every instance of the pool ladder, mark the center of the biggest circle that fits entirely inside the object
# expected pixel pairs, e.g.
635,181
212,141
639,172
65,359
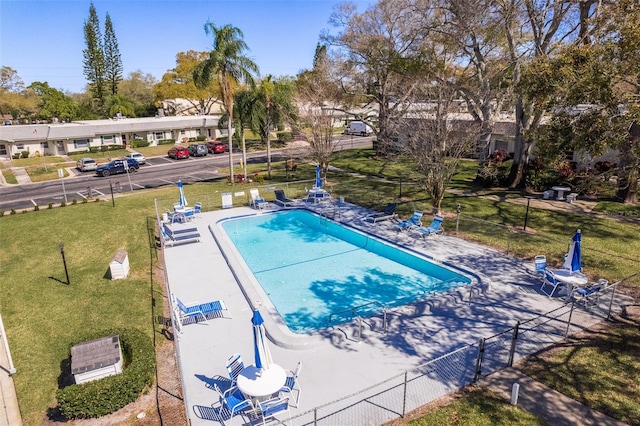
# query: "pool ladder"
354,314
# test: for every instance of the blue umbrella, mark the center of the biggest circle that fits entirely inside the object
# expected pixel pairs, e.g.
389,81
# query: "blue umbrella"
261,348
318,178
573,259
183,200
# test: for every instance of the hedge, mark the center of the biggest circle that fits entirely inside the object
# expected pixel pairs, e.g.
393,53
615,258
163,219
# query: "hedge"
107,395
138,143
166,142
106,148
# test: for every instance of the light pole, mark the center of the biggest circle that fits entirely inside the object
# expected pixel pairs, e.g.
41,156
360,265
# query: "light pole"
64,262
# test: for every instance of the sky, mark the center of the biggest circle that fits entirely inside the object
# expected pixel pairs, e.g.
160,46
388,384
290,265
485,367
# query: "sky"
43,39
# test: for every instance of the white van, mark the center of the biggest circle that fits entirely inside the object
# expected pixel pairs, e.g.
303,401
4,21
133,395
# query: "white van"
358,128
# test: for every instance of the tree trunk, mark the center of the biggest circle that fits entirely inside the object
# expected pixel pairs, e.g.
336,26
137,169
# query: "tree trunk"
230,140
628,176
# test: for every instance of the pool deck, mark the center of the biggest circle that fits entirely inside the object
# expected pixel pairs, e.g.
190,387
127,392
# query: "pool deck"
335,364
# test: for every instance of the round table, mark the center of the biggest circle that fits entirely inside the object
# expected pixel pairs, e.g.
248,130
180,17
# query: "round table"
570,279
261,384
561,190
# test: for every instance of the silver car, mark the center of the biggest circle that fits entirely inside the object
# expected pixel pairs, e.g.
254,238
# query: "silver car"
86,165
136,156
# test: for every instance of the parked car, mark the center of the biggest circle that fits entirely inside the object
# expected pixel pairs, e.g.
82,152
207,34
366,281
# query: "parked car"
198,150
86,164
178,152
217,147
137,156
118,166
358,128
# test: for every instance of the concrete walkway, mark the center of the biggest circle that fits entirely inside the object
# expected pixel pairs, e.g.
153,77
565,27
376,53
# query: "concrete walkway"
544,402
9,410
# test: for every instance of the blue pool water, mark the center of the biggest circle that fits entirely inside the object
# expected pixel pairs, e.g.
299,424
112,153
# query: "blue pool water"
311,267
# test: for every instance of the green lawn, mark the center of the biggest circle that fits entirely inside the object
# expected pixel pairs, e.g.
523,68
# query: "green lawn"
42,314
478,408
599,368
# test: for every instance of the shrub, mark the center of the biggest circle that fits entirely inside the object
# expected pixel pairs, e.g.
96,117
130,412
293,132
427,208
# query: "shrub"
1,212
201,138
258,178
16,156
25,154
63,204
97,200
138,143
84,200
284,136
50,206
36,208
166,141
107,395
74,201
13,211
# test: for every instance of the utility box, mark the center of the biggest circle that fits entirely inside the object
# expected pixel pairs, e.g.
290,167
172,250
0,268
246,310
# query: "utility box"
119,266
96,359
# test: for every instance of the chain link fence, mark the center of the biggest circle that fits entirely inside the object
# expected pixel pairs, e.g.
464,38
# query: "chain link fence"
395,397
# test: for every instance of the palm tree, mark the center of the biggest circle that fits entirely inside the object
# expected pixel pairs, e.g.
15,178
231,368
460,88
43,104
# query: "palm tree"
272,105
243,116
229,66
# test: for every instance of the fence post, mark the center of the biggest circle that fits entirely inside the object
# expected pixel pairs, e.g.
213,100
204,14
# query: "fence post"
613,293
479,359
458,208
508,238
315,416
566,333
514,339
404,395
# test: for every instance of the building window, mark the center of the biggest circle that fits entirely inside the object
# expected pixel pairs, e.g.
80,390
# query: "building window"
3,149
183,132
44,145
20,146
158,135
107,139
502,145
81,143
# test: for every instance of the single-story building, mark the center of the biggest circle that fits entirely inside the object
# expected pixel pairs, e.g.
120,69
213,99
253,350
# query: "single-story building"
65,138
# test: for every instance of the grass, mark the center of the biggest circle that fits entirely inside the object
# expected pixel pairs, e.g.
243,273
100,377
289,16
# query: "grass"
42,314
9,176
599,368
477,407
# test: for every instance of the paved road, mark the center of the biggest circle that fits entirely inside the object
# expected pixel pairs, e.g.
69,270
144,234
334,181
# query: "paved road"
158,171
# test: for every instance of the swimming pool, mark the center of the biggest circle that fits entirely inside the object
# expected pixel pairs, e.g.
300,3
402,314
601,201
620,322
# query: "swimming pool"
311,268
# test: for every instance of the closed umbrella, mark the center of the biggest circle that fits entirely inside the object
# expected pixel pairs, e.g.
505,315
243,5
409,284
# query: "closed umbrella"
261,348
318,178
573,259
183,200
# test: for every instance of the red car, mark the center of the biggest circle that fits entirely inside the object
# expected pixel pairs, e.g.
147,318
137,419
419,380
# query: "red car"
178,152
216,147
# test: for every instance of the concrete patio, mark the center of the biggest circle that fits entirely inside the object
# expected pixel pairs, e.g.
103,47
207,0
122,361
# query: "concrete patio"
335,363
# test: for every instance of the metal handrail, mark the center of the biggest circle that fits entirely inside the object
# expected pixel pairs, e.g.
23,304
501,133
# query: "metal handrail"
355,315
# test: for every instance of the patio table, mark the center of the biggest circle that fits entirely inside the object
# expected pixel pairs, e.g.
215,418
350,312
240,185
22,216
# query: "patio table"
561,190
261,384
570,279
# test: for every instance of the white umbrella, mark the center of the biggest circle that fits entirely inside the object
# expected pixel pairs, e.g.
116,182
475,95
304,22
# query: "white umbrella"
261,348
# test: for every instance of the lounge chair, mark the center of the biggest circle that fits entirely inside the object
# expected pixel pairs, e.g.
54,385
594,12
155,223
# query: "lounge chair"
550,280
411,223
282,200
434,228
272,407
191,313
257,201
389,212
292,384
232,402
234,367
